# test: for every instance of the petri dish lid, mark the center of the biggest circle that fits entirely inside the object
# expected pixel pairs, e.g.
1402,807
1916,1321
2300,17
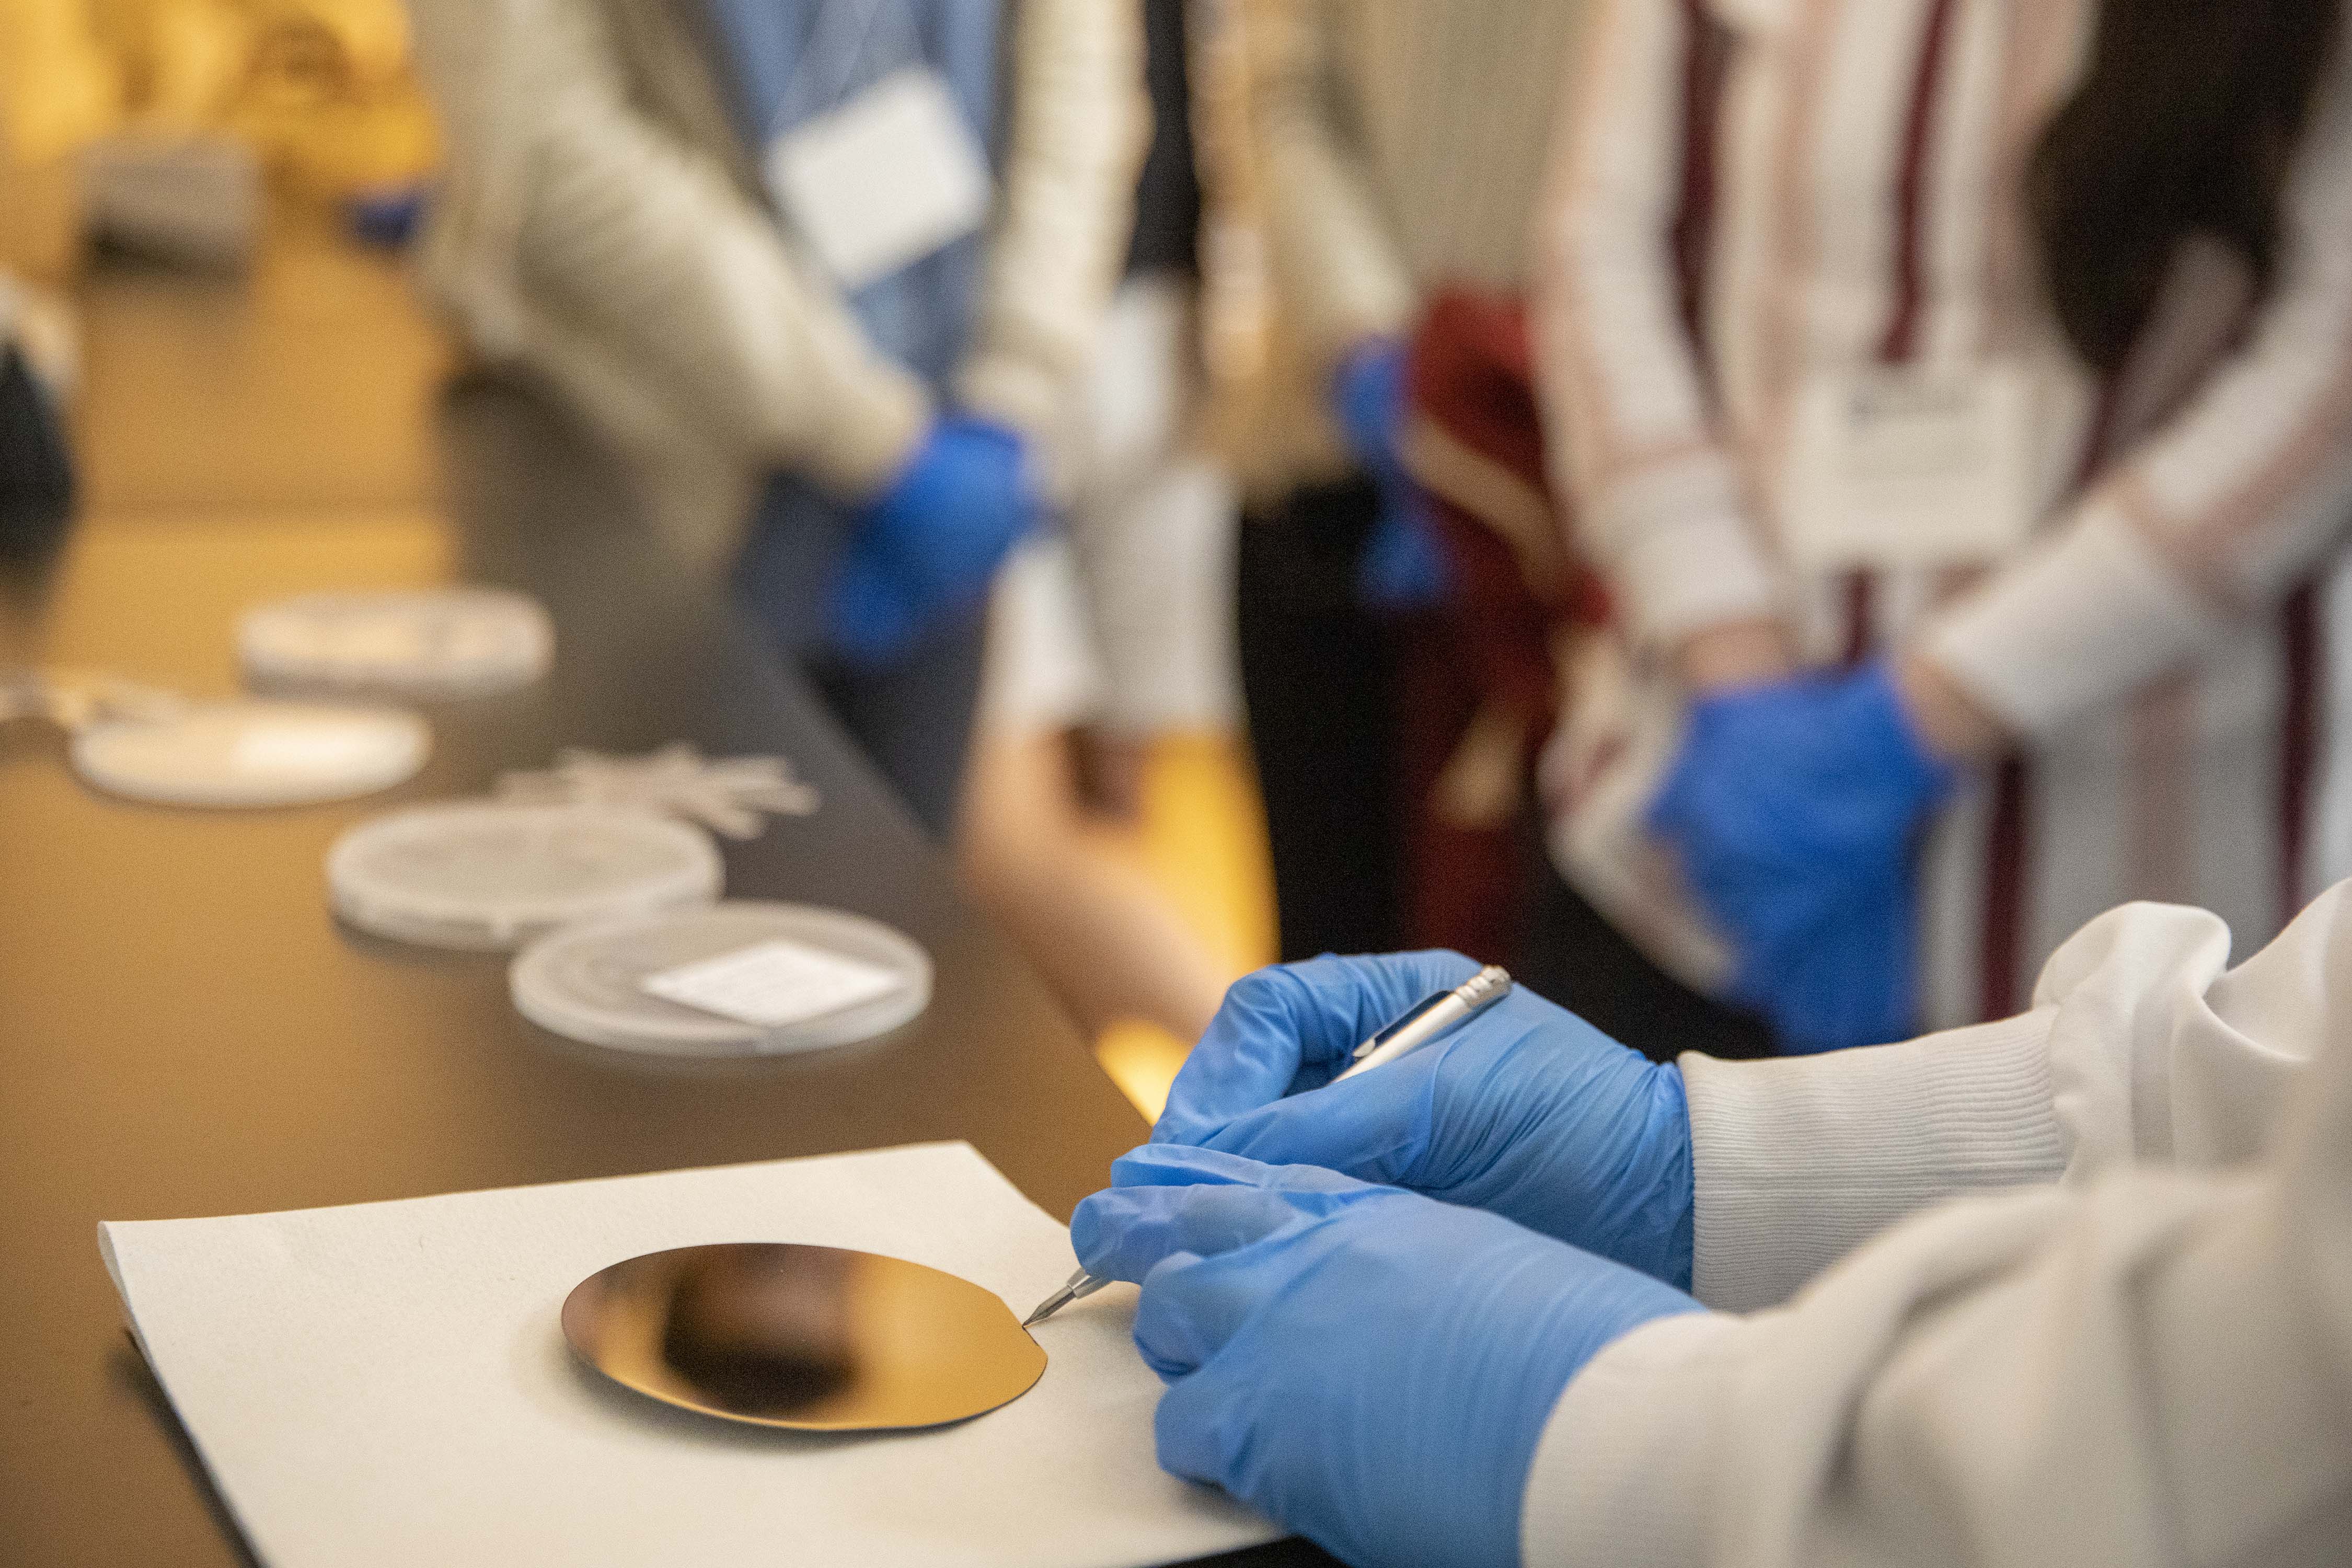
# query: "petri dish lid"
587,982
233,754
489,876
440,642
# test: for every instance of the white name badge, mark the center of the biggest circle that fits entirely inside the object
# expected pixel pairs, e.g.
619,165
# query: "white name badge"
884,179
1916,467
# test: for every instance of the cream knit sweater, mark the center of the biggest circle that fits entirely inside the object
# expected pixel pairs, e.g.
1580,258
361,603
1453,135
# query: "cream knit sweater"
601,226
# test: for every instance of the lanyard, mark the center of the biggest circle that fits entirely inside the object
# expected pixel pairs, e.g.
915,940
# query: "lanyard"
845,33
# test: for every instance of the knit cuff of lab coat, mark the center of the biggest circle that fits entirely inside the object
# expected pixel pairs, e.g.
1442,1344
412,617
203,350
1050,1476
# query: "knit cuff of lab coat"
1014,390
1679,551
1798,1161
2091,613
1624,1463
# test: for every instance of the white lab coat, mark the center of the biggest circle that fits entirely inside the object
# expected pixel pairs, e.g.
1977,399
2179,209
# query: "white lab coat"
2141,1353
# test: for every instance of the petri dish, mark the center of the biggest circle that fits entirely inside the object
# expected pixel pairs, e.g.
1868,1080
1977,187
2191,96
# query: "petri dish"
429,643
251,754
490,876
588,983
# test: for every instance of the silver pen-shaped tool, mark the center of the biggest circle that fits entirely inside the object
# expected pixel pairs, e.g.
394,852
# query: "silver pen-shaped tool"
1425,1021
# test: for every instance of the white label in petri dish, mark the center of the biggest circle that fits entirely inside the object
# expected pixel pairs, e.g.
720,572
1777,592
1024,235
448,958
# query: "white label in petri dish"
774,983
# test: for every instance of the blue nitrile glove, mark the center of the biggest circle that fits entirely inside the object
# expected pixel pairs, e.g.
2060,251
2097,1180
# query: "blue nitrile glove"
1403,566
1366,1366
1526,1110
929,544
1796,808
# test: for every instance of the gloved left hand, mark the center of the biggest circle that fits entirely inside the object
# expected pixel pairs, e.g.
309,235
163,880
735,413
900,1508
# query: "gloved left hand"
1403,566
1796,808
1369,1368
929,545
1526,1110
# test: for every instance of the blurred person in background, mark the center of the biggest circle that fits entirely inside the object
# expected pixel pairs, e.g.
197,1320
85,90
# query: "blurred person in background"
1396,148
1115,634
825,272
1969,507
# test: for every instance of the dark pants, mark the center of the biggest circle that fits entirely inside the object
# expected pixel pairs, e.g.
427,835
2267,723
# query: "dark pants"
1318,678
1326,682
1574,956
911,715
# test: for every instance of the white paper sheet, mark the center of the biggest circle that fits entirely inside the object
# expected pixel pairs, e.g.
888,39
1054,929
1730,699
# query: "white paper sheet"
387,1384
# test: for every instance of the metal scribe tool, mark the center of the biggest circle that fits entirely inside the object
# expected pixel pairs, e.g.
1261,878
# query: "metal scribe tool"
1425,1021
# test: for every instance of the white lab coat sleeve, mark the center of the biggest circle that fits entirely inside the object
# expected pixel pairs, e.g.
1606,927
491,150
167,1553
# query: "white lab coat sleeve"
1079,125
1337,265
2142,1363
1660,504
2221,511
2128,1054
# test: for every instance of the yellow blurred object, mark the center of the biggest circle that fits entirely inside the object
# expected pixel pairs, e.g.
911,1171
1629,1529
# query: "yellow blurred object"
329,101
1142,1059
58,88
321,91
1203,841
193,67
40,219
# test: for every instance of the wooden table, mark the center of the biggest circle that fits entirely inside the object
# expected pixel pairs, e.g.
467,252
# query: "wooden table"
185,1030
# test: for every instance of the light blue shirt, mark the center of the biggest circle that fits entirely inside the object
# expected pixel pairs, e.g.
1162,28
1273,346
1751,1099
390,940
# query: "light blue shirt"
791,61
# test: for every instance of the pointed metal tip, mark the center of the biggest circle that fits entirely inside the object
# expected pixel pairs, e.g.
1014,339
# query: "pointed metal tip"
1048,1306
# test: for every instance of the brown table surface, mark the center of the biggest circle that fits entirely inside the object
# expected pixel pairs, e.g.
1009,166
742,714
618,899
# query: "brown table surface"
185,1030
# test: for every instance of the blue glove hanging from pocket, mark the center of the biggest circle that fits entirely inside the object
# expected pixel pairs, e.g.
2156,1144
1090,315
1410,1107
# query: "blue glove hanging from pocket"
1404,565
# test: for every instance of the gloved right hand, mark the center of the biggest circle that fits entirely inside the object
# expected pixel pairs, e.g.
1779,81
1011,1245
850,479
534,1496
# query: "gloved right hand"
1372,1369
929,545
1526,1110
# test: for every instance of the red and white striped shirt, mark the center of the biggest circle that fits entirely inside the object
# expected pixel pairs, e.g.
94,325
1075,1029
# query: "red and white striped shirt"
1750,193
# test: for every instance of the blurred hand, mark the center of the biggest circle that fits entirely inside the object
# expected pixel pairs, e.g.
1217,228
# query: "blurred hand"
1369,1368
1526,1110
1734,654
929,546
1404,564
1796,807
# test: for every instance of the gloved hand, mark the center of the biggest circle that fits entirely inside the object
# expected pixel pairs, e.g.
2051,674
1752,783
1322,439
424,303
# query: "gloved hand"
1404,565
1526,1110
1369,1368
1796,808
929,544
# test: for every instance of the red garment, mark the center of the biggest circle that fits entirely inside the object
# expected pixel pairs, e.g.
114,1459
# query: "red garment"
1480,684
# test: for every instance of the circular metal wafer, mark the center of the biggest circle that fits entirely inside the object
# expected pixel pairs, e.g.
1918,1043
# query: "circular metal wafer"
817,1339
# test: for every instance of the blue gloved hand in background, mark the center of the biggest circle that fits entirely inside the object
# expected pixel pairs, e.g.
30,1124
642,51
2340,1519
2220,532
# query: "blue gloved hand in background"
1369,1367
1796,807
1526,1110
929,544
1403,566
